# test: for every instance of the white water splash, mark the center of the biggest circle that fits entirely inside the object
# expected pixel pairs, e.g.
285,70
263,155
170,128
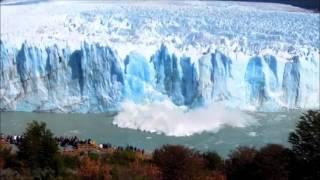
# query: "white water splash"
165,117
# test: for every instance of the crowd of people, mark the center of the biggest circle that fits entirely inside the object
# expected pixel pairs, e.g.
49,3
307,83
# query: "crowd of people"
15,139
130,148
74,142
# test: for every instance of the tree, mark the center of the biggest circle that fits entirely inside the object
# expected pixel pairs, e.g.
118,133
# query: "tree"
272,162
93,169
39,150
8,159
123,157
212,160
178,162
240,164
305,141
143,170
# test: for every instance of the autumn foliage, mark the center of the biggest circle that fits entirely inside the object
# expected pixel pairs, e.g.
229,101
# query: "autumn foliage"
178,162
92,169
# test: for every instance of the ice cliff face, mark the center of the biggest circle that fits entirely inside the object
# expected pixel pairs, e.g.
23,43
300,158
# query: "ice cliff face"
93,79
86,80
190,60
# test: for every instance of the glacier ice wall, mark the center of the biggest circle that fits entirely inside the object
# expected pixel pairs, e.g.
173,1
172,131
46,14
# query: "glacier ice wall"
94,79
91,57
90,79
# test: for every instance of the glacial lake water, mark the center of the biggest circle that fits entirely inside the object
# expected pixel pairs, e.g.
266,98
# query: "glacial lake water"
271,128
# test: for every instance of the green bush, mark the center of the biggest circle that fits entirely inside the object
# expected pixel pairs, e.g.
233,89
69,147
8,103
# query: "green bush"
93,156
123,157
71,162
39,150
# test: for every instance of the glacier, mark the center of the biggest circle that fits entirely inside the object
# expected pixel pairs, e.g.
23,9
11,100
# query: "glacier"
93,57
93,79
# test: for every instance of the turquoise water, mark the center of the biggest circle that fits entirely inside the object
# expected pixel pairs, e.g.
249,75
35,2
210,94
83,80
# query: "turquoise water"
271,128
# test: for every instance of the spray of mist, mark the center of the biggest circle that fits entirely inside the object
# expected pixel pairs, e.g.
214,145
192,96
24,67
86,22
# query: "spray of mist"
165,117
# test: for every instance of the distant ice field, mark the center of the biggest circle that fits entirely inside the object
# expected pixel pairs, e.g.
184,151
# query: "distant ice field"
187,26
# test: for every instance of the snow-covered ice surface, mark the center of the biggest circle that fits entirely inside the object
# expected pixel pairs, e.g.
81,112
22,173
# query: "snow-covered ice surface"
142,57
